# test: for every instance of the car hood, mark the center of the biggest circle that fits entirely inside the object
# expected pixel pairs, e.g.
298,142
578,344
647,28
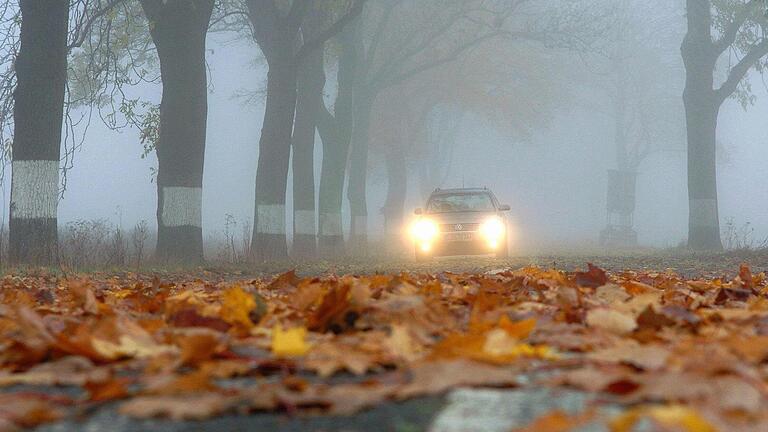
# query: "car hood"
460,217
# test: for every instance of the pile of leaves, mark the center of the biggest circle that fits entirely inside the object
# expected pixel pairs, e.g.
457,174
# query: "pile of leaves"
686,354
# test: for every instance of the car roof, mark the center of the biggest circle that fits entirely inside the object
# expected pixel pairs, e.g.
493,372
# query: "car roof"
461,190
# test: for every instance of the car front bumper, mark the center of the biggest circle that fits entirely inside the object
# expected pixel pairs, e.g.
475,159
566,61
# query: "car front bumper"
449,244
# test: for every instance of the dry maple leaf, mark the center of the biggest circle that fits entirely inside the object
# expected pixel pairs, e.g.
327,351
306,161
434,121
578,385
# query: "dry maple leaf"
611,320
646,357
335,312
236,307
198,406
401,344
285,280
84,297
28,410
328,358
438,376
190,317
667,415
558,421
67,371
745,277
119,337
592,278
198,345
108,390
289,343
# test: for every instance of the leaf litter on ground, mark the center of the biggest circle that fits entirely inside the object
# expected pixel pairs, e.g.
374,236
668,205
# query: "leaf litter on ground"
682,354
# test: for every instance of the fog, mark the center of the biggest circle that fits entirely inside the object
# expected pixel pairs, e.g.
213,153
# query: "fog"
555,184
551,167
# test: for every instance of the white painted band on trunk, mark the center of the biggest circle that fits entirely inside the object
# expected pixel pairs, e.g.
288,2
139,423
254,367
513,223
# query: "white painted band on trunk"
703,212
330,224
34,189
182,206
304,222
361,225
270,219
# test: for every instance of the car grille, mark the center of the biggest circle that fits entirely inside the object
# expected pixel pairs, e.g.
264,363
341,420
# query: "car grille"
459,227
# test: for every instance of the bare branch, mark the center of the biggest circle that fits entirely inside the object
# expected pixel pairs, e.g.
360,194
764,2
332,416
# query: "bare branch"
333,30
83,30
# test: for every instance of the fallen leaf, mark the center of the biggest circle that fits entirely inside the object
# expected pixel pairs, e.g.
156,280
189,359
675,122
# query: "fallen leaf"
198,345
592,278
646,357
236,307
108,390
611,320
666,415
191,318
29,410
436,377
558,421
183,407
289,343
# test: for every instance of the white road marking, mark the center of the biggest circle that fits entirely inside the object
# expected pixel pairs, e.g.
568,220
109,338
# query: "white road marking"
497,410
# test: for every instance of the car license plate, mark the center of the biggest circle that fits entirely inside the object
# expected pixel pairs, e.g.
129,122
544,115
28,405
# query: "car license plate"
459,237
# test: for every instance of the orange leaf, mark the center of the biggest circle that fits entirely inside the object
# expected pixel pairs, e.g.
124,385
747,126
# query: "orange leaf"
112,389
518,330
198,345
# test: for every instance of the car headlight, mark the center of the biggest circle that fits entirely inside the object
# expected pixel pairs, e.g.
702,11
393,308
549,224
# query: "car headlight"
493,230
424,230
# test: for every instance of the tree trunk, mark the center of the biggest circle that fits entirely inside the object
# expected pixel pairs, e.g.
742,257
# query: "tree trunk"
358,176
397,188
41,71
269,240
336,135
179,30
702,108
703,220
310,97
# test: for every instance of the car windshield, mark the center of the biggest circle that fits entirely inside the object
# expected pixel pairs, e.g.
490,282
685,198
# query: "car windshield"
460,202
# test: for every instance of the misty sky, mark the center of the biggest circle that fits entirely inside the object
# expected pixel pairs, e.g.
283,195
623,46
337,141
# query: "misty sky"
555,183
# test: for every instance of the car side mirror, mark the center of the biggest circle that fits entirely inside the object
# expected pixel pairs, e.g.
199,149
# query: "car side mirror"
418,212
505,208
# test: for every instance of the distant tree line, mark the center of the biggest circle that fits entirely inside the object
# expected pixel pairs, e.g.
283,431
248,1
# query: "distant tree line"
410,63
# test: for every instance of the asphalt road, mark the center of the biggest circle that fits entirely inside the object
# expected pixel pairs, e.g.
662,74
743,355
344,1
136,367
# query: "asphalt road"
463,410
687,264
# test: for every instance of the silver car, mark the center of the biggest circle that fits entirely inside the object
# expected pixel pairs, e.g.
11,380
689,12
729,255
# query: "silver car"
461,222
